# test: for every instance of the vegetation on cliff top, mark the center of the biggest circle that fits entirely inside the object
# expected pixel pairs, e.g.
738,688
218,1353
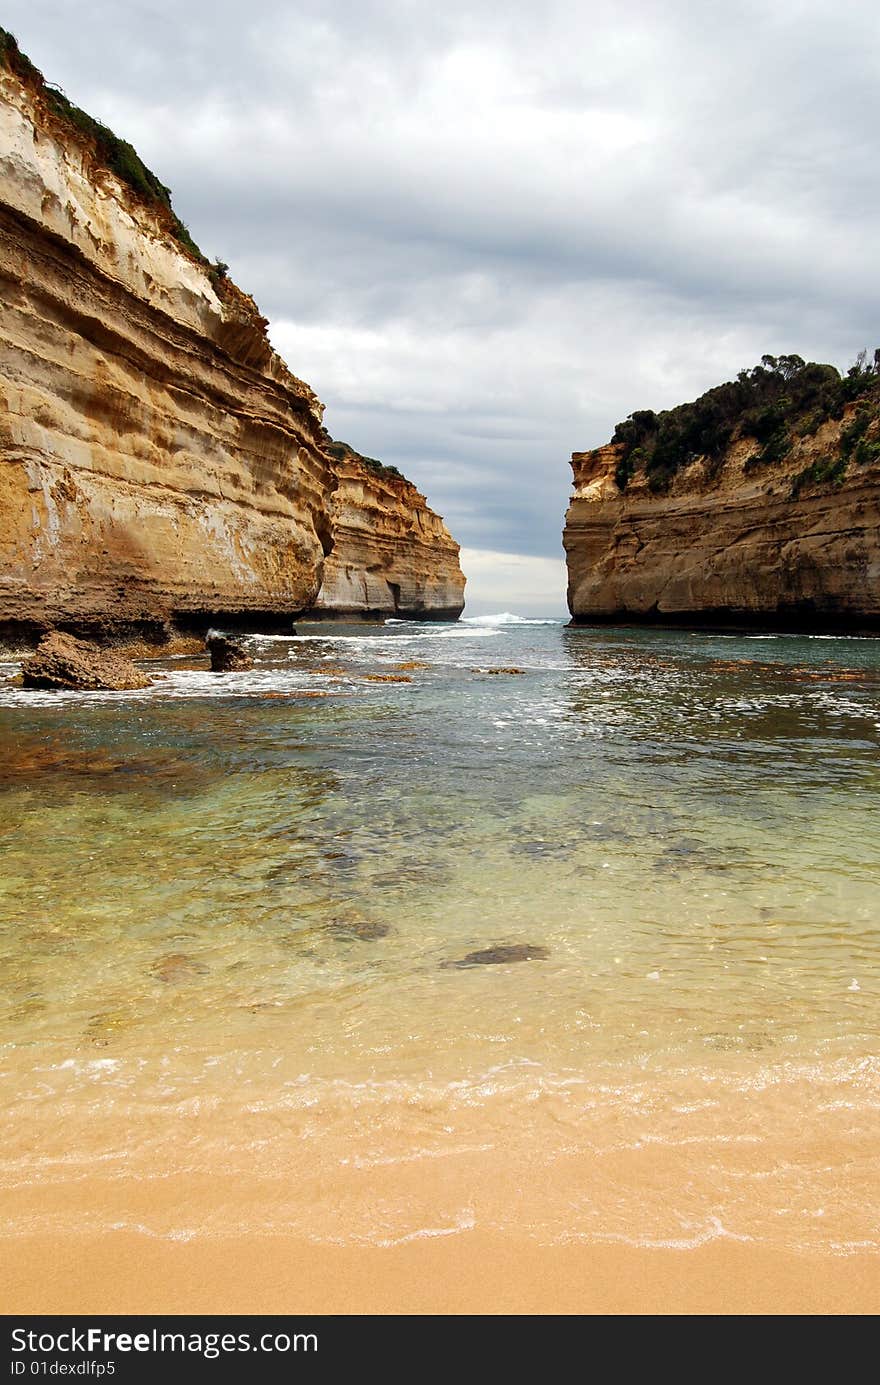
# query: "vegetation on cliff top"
114,153
775,403
342,452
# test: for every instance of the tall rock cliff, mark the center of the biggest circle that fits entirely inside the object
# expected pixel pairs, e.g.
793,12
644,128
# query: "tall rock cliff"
159,463
392,555
756,505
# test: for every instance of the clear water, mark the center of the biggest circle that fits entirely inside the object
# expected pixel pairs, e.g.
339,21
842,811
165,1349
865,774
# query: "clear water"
228,910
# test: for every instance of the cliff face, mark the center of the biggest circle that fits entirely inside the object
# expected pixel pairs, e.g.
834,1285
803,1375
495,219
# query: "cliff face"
781,532
158,461
392,555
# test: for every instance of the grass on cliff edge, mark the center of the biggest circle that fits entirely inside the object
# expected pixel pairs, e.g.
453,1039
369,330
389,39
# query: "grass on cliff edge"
114,153
774,403
341,452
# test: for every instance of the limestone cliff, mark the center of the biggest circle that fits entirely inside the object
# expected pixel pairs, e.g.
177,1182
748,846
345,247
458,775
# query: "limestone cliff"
392,555
757,505
159,463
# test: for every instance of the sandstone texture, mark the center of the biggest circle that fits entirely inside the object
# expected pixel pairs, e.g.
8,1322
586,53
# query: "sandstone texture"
392,556
63,662
159,463
790,543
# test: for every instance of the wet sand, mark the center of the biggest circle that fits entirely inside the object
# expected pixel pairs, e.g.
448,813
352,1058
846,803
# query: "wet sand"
386,1237
469,1273
759,1204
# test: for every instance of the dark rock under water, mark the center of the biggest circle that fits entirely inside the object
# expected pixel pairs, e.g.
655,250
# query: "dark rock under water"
497,956
358,929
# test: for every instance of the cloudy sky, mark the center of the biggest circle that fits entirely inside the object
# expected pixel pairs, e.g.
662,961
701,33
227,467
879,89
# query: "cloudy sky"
485,233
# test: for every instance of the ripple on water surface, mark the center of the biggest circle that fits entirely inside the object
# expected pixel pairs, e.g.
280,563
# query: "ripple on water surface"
234,912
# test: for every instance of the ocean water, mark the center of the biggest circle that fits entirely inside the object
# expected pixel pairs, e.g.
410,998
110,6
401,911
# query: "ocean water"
233,912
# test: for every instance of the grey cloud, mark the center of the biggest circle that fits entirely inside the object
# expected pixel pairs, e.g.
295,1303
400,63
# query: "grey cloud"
484,234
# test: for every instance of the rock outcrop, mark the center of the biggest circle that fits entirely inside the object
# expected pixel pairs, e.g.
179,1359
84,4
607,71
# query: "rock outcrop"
227,656
61,662
717,515
159,463
392,555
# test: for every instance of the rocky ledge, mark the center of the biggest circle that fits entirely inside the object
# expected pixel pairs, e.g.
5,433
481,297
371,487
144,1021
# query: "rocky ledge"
758,505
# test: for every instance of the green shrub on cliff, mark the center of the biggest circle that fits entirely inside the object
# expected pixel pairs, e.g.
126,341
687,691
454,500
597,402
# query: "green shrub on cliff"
782,398
853,433
828,471
867,451
114,153
628,466
776,448
342,452
765,423
12,57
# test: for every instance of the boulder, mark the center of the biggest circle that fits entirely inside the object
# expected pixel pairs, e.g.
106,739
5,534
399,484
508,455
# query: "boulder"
63,662
227,656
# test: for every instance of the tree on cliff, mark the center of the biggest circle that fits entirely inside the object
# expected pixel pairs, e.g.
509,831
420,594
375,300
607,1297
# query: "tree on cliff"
774,401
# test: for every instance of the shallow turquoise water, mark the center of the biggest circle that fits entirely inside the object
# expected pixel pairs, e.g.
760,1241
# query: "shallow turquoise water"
211,888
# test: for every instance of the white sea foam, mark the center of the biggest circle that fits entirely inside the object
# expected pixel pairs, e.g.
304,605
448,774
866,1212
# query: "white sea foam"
712,1230
176,683
508,618
466,1221
419,634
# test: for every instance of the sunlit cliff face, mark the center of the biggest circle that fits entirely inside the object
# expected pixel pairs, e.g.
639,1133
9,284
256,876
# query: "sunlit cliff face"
792,543
160,460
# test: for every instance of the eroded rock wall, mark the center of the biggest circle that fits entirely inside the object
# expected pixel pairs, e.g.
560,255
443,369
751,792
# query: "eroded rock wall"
159,463
157,459
392,555
730,544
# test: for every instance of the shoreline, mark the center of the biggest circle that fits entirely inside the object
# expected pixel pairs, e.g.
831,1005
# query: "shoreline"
157,638
468,1273
246,1070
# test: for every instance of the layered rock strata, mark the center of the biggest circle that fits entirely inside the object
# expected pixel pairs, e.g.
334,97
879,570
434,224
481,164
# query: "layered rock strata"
392,555
160,466
794,544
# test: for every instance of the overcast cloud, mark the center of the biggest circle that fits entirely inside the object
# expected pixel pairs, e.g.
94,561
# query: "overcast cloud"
484,234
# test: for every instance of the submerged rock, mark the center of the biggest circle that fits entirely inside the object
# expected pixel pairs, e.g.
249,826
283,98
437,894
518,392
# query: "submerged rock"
497,670
177,966
497,956
359,929
63,662
227,656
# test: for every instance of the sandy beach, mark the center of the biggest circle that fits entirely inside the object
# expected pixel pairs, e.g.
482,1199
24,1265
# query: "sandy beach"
469,1273
276,1056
